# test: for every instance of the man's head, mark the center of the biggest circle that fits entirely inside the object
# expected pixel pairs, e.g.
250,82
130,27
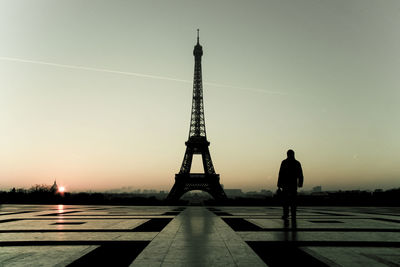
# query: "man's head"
290,154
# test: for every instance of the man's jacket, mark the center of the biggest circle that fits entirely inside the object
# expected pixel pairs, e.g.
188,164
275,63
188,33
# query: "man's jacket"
290,174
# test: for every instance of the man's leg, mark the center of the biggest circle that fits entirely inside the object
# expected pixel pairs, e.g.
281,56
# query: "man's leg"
293,203
285,212
285,201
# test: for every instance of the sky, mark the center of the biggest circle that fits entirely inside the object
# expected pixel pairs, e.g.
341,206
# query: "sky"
97,94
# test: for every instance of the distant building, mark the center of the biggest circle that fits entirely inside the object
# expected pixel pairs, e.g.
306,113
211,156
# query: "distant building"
234,192
317,189
54,187
267,193
149,191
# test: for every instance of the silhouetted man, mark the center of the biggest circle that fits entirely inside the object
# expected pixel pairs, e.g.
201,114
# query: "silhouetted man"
290,177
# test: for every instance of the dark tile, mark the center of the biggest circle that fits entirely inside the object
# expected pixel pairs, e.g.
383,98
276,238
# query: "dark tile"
283,254
153,225
179,209
330,213
57,223
325,221
239,224
59,213
114,254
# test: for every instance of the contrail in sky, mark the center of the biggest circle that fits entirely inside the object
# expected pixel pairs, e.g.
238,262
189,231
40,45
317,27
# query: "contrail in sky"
142,75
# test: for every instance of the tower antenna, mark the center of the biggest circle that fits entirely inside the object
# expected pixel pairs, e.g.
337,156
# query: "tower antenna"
198,35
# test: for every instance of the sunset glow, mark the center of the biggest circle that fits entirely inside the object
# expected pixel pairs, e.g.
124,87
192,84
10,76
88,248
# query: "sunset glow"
103,101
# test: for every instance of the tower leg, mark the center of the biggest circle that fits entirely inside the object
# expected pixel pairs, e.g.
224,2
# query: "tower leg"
176,192
187,161
207,162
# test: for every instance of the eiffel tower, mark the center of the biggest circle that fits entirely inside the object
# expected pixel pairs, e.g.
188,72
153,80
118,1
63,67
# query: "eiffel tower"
197,144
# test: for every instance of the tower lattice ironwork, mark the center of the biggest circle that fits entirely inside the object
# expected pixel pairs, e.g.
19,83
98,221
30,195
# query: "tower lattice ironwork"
197,144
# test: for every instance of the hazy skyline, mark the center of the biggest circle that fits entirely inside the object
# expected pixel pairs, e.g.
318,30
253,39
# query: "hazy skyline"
97,94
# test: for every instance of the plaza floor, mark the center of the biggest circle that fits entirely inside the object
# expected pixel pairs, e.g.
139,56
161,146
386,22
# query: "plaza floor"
69,235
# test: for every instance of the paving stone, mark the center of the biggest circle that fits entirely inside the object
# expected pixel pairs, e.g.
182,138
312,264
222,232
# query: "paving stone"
59,235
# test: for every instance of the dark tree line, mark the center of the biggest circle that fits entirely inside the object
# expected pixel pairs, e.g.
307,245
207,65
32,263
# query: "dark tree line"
43,194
